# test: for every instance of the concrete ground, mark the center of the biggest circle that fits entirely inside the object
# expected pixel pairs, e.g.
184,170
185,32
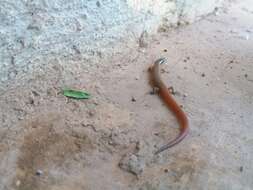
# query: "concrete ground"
50,142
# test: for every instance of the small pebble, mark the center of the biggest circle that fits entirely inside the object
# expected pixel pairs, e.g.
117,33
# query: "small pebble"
166,170
246,75
241,169
165,50
18,182
203,75
216,11
12,74
74,47
39,172
110,142
185,95
133,99
98,4
132,163
35,93
31,101
91,113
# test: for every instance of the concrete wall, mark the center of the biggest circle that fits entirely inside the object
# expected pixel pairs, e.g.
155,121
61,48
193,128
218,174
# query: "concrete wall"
171,12
31,31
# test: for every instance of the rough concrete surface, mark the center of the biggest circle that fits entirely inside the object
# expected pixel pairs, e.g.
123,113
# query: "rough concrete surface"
107,142
63,28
